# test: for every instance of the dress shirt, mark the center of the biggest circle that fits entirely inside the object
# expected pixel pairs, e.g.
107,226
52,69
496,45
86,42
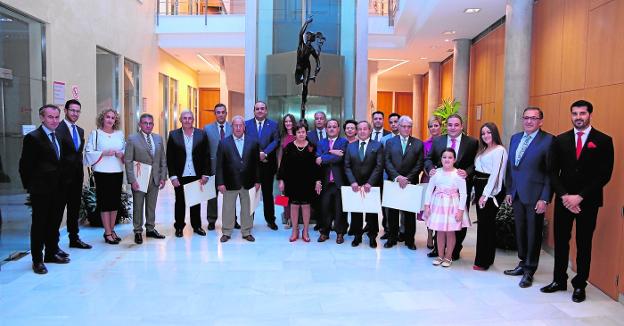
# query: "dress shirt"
55,141
494,163
366,143
240,144
377,135
189,168
323,133
449,142
148,138
531,138
584,137
71,130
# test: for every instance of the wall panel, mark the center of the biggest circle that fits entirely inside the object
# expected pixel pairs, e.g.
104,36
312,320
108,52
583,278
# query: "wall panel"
403,103
574,54
604,58
446,80
546,47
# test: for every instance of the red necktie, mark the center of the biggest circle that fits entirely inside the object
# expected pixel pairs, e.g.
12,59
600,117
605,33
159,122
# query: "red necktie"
331,174
221,132
579,144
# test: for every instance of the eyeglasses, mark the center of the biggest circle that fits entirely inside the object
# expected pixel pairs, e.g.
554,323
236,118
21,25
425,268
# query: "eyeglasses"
532,119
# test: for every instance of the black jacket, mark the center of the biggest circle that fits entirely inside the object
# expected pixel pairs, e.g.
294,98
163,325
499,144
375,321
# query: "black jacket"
234,171
368,171
39,168
176,153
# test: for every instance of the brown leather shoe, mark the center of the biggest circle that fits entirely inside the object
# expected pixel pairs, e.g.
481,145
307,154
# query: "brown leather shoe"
249,238
322,238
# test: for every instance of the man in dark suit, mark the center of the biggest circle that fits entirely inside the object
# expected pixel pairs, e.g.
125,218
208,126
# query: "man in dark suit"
216,132
188,160
41,171
403,163
320,128
72,143
238,171
466,148
266,133
582,165
527,182
364,169
378,130
330,152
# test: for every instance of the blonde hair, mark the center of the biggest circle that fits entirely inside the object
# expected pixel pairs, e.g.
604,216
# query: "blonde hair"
99,121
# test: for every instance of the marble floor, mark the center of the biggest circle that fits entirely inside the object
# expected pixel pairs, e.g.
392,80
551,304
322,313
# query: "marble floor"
198,281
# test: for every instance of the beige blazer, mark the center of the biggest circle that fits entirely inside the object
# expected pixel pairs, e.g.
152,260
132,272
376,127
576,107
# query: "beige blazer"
136,150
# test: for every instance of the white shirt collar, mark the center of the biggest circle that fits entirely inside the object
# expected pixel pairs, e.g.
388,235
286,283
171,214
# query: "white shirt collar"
532,135
144,134
241,138
585,132
69,124
258,121
46,130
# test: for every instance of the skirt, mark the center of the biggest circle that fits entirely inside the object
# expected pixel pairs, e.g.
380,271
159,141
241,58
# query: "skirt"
108,190
443,206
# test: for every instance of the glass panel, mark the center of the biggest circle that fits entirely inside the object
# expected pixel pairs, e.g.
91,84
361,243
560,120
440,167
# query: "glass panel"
107,80
163,86
21,94
132,103
173,104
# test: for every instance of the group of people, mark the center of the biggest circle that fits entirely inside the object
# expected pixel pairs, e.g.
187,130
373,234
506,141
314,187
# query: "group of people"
311,166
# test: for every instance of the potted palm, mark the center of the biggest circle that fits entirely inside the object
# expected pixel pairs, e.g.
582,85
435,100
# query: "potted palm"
445,110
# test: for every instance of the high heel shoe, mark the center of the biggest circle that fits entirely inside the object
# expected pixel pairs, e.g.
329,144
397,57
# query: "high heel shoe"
305,236
113,242
295,235
115,236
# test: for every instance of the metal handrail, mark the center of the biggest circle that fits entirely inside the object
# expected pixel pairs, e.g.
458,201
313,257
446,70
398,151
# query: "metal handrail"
384,8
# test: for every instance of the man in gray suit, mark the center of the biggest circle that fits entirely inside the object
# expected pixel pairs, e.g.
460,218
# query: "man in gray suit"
216,131
146,147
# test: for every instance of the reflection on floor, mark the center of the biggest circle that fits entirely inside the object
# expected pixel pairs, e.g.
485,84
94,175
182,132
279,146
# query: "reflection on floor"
197,281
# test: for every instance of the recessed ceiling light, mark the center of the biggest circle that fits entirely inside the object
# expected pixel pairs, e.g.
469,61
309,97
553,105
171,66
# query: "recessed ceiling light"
423,58
449,32
472,10
447,40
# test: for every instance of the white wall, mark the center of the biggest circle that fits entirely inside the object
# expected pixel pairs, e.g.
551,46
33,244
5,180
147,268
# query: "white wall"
394,84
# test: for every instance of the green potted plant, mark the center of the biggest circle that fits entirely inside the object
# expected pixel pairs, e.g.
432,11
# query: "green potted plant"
445,110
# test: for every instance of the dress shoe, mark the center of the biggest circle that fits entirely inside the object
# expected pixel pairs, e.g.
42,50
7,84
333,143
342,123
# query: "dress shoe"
526,281
211,226
411,246
317,227
138,238
578,295
433,253
554,287
179,233
39,268
249,238
356,241
79,244
272,226
154,234
236,225
514,272
384,237
62,253
401,237
372,243
479,268
390,244
224,238
340,239
322,238
56,259
199,231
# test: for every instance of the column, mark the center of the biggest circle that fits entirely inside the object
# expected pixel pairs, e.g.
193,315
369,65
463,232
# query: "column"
251,40
518,22
433,98
361,62
417,105
373,79
461,73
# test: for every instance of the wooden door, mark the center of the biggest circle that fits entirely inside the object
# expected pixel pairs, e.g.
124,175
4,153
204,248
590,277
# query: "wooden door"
208,98
403,104
384,104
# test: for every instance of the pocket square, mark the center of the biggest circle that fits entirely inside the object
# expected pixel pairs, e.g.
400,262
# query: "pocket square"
591,145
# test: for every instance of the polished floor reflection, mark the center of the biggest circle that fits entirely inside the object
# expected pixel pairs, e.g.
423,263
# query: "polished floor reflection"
198,281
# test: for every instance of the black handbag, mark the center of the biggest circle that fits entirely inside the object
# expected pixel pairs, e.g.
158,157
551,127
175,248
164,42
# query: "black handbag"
505,228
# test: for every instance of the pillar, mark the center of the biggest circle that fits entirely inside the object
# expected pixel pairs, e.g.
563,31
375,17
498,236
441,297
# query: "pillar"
251,40
461,73
433,98
417,106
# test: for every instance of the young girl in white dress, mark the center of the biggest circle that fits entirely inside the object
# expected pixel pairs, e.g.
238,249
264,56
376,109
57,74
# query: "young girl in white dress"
445,202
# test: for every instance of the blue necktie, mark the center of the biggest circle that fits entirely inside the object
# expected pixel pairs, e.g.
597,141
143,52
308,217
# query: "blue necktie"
259,129
75,137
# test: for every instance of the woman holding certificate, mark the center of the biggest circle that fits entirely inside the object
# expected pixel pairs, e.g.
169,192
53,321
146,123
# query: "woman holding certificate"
105,153
490,166
299,179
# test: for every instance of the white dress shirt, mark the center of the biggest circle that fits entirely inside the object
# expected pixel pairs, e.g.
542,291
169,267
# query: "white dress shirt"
71,131
189,168
584,137
449,143
148,138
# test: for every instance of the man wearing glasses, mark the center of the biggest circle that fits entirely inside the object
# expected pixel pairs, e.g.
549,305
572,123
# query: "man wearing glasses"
528,190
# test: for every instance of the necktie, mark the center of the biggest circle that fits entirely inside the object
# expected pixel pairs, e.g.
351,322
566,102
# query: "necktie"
56,150
579,144
331,174
523,147
377,135
403,145
239,146
362,144
259,129
221,132
75,137
150,147
320,135
454,144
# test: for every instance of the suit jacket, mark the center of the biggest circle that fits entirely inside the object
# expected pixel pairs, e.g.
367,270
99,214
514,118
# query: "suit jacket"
269,140
39,168
72,159
214,137
383,133
234,171
587,175
136,150
468,148
176,153
313,136
409,164
332,163
530,180
368,171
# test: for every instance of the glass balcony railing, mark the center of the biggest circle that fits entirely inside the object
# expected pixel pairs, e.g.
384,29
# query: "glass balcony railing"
383,8
199,7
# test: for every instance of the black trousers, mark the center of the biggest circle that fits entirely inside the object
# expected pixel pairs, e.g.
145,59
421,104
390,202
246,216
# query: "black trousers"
47,214
585,226
72,201
212,210
410,225
331,203
180,206
529,227
267,177
486,226
372,224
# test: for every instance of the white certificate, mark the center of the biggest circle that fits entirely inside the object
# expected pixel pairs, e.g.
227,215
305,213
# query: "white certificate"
361,202
409,199
254,199
142,174
195,193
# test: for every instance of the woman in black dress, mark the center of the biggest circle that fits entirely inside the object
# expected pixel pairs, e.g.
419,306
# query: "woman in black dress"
299,179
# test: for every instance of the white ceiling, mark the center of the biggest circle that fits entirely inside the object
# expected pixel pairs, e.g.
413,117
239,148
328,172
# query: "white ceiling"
420,28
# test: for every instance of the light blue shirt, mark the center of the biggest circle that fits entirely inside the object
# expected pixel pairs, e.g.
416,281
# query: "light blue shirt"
531,138
240,143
